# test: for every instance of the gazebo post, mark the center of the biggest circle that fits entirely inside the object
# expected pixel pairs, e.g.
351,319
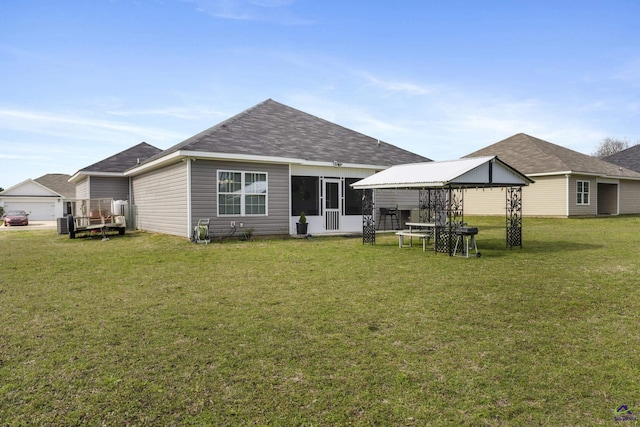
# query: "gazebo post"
438,214
368,217
514,217
455,214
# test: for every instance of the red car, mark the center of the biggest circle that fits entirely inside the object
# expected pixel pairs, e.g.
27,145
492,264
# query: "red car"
15,218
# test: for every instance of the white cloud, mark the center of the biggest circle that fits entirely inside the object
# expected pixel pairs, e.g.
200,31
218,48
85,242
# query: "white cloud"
191,113
74,127
273,11
399,86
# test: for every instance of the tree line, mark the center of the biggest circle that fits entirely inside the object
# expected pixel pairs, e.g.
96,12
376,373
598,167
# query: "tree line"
610,146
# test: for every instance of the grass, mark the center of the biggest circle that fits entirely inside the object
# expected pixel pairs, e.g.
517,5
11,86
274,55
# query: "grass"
148,329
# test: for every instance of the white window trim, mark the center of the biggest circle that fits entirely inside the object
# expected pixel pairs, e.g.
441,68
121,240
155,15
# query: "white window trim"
588,193
243,174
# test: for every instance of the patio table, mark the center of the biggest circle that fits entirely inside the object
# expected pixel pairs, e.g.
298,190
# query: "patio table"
423,230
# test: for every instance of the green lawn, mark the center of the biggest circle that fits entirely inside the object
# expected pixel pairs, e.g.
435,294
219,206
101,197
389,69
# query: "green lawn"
148,329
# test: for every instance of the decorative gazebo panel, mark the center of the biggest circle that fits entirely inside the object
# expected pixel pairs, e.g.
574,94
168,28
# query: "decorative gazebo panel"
445,208
368,218
514,217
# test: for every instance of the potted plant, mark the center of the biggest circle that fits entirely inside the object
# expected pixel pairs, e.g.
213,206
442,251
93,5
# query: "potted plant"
301,225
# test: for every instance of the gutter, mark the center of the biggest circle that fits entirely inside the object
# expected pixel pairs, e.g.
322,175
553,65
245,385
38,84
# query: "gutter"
182,154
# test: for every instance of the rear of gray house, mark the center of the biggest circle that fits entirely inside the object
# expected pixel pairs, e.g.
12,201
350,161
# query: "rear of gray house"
258,170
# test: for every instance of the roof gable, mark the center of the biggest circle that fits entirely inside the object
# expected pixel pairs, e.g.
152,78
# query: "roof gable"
532,156
271,129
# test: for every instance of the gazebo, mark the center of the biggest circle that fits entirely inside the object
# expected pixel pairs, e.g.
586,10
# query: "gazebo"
441,187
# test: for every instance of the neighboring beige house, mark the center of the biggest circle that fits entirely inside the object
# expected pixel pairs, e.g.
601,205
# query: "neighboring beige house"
567,183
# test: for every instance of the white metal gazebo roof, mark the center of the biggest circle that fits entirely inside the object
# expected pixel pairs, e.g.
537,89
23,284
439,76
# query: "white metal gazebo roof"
474,172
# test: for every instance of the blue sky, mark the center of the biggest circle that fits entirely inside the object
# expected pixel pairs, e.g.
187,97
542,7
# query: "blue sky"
83,80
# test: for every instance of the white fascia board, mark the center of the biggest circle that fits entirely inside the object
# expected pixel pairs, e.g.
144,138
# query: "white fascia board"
239,157
31,198
564,173
550,173
76,177
396,186
621,177
272,159
178,155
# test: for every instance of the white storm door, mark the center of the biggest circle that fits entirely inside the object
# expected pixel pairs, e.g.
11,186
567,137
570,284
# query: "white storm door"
332,200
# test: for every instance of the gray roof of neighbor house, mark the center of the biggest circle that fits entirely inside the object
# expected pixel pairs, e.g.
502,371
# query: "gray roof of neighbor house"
629,158
118,163
533,156
58,182
271,129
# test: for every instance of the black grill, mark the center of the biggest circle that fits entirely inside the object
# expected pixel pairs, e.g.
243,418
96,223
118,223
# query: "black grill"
466,231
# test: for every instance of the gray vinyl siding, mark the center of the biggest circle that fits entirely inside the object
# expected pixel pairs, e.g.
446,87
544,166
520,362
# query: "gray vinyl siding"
204,197
160,197
82,189
583,210
110,188
403,199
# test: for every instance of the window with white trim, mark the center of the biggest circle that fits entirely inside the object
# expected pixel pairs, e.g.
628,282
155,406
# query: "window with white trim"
582,192
242,193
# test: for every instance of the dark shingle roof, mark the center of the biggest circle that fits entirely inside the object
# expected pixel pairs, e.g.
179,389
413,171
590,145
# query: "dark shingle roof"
271,129
531,155
58,182
124,160
629,158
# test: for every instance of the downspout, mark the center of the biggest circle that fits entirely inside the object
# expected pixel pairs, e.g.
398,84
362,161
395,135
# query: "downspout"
189,221
291,226
618,198
566,198
130,206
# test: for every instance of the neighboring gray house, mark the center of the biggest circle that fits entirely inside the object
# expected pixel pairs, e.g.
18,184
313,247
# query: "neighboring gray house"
106,178
567,183
629,158
44,199
257,170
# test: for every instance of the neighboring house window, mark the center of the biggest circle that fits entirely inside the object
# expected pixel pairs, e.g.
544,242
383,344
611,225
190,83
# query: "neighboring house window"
305,195
352,198
582,192
242,193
